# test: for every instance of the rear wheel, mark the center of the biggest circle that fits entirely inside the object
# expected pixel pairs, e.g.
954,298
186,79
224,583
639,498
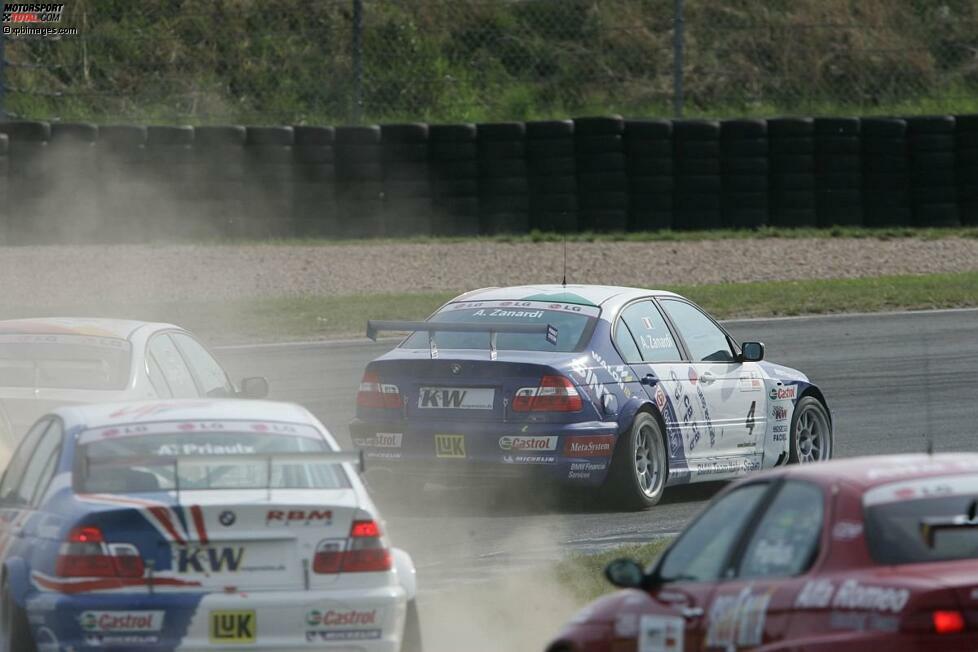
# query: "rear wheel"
411,642
15,633
639,467
811,432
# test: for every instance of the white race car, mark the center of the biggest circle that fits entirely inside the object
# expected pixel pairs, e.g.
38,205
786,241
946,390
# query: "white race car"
196,525
46,363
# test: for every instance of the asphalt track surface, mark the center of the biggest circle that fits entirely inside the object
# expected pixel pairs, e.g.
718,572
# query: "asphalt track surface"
892,381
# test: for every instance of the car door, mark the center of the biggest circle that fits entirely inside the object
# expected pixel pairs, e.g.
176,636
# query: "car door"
728,394
687,574
644,341
754,606
14,506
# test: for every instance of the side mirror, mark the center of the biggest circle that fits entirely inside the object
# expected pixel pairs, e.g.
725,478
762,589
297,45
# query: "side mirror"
751,352
625,574
254,387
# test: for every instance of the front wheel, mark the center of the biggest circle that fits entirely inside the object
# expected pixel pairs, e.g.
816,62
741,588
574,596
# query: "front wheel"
411,642
811,432
639,467
15,633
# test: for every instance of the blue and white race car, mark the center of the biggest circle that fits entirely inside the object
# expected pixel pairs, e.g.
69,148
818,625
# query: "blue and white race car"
627,389
195,525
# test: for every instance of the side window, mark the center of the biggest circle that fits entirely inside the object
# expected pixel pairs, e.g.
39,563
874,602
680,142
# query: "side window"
18,463
649,329
785,542
175,370
210,375
702,550
46,448
626,343
156,377
705,341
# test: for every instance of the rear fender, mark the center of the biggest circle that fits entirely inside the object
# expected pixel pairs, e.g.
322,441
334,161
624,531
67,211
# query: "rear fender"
406,574
631,408
18,579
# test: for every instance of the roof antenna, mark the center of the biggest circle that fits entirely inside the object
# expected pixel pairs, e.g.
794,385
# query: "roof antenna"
564,281
930,444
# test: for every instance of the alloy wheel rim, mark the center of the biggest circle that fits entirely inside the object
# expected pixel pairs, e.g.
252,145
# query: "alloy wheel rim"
646,468
812,436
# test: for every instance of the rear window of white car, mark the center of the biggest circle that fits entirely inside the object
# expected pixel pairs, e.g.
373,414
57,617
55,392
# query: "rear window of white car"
573,322
913,521
190,456
64,361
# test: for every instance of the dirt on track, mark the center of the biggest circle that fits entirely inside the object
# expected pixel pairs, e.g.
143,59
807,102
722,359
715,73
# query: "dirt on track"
67,275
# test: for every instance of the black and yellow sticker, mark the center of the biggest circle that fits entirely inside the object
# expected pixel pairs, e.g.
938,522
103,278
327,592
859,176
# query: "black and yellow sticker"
233,627
450,446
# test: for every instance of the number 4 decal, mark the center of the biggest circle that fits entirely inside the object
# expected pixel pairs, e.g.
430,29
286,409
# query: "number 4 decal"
750,418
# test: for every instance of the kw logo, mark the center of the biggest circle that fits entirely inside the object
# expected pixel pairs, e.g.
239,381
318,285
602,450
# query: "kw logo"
209,560
434,397
450,446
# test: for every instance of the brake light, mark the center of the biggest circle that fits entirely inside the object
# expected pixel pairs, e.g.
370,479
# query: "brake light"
364,552
553,394
375,394
86,554
948,622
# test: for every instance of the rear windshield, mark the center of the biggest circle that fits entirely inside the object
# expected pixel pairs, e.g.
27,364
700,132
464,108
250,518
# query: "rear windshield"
141,458
573,323
64,362
899,517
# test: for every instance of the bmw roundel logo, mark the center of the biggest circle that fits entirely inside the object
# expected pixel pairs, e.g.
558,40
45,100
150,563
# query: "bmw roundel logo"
456,369
227,518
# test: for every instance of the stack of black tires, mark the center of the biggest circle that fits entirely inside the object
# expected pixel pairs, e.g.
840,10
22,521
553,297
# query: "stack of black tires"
314,182
504,191
407,189
219,180
4,186
966,159
839,169
170,176
602,182
122,181
360,181
698,181
71,212
28,172
932,170
552,174
886,173
791,160
453,158
744,166
648,149
268,181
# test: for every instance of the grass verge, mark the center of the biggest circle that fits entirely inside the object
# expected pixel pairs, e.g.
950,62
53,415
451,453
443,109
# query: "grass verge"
317,317
583,575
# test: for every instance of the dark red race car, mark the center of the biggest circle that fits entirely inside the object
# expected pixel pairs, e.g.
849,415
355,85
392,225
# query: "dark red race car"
879,551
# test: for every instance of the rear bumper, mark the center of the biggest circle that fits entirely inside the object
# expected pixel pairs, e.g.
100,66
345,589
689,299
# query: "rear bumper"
476,453
370,620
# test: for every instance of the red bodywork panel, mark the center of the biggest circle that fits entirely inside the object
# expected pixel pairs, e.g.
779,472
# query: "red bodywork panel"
844,602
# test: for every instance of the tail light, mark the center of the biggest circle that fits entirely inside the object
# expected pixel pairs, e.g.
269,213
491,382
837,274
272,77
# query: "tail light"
86,554
553,394
948,622
376,394
938,621
364,552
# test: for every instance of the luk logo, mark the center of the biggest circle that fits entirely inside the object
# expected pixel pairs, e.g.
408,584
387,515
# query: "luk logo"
282,517
450,446
434,397
209,560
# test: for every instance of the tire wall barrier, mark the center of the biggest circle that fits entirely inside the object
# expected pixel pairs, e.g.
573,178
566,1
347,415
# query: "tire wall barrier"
79,182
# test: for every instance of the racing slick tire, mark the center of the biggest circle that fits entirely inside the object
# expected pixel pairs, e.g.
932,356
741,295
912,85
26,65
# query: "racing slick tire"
15,633
811,432
639,466
411,641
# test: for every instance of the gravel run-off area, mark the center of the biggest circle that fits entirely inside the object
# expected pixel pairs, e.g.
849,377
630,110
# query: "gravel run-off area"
68,275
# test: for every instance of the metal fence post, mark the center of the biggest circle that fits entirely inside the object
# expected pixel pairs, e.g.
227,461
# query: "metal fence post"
357,109
678,42
3,78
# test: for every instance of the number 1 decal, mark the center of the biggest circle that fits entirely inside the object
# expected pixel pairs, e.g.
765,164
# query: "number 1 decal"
750,418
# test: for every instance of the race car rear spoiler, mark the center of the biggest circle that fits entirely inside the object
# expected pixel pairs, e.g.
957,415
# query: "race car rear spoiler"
375,326
176,461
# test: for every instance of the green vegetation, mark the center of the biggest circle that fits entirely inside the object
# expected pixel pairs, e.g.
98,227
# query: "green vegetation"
317,317
451,60
583,575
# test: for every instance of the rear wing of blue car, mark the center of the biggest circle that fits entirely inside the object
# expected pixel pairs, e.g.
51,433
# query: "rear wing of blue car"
431,327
